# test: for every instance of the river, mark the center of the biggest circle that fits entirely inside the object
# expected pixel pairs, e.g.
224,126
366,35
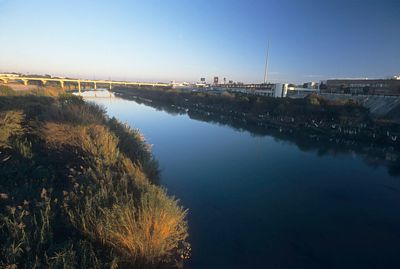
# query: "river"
264,202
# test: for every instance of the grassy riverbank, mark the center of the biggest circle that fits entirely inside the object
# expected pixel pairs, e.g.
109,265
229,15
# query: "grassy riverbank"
343,127
79,190
313,115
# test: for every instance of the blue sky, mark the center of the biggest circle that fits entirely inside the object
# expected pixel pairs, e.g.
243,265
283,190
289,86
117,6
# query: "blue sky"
184,40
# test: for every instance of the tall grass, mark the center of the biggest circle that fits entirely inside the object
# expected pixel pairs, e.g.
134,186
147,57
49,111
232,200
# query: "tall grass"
132,143
77,190
150,231
97,143
6,91
10,124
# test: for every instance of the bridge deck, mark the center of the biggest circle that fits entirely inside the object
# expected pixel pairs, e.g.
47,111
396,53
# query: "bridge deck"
25,79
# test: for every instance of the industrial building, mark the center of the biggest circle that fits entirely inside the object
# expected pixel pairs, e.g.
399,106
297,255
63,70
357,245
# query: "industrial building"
301,92
363,86
216,80
277,90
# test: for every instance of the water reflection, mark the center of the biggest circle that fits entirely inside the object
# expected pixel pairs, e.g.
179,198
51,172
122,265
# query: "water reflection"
373,154
261,198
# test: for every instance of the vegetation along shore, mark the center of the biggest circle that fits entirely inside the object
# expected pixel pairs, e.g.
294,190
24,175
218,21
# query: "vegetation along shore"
313,124
80,190
312,115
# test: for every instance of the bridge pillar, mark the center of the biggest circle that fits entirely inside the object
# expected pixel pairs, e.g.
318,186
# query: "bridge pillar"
79,87
110,85
95,88
44,82
62,84
25,81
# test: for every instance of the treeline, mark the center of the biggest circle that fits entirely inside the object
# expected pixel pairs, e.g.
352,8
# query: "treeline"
80,190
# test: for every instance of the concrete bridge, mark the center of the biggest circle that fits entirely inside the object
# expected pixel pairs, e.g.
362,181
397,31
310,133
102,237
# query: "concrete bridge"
78,82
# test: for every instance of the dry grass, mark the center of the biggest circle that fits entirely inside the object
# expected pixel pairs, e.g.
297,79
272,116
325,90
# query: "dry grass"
10,124
6,90
72,109
43,91
150,232
77,188
132,143
21,90
95,140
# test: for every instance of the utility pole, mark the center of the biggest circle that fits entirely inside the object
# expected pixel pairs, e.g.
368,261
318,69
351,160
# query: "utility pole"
266,64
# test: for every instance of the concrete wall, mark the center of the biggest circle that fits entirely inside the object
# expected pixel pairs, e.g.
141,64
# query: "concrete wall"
378,105
363,86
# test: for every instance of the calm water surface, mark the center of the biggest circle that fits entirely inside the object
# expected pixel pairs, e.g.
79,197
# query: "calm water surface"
259,202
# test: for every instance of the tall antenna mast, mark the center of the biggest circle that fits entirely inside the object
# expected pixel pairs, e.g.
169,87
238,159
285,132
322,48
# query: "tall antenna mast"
266,65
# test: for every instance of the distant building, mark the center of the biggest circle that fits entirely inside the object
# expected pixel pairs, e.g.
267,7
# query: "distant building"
311,85
363,86
179,85
277,90
201,85
10,75
203,80
301,92
216,79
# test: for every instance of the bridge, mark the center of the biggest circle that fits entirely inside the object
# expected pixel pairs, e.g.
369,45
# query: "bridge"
78,82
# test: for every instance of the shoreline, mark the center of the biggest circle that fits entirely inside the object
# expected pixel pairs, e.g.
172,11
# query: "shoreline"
307,139
363,127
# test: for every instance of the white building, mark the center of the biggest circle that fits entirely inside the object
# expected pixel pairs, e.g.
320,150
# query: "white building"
296,92
310,85
277,90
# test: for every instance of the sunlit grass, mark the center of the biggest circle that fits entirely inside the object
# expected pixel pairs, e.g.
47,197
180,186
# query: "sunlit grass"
77,190
151,233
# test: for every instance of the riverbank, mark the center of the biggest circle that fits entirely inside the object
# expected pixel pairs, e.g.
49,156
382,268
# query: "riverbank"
378,105
272,200
80,189
314,115
348,128
21,87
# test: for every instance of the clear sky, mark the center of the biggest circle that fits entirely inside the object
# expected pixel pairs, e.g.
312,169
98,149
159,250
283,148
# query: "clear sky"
184,40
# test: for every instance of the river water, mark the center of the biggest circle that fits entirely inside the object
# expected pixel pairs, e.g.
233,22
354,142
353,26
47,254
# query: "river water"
263,202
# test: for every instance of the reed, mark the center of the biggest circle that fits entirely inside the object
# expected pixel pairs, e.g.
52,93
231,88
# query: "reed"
79,190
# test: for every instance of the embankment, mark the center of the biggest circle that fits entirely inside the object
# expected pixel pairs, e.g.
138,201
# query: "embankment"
79,190
378,105
313,124
315,115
